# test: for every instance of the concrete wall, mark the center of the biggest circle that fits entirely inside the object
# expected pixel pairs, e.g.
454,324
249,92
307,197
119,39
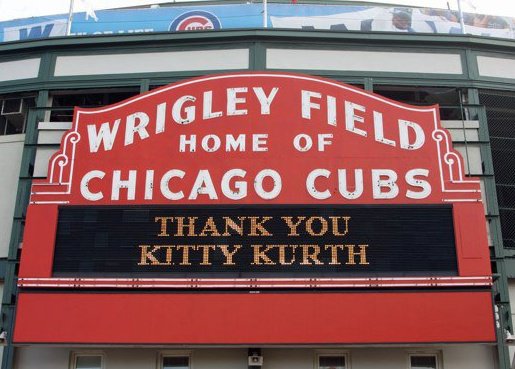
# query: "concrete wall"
11,149
511,290
451,356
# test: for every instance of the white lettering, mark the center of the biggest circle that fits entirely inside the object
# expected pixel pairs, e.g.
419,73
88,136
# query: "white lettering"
203,186
105,135
412,180
165,184
310,184
276,184
379,183
240,186
84,185
265,101
233,100
307,104
129,184
131,128
189,110
351,118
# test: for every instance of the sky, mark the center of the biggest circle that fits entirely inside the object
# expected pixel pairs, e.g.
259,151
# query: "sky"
15,9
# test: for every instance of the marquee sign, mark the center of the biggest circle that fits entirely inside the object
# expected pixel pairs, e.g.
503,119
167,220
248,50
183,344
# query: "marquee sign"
255,181
317,150
254,241
256,138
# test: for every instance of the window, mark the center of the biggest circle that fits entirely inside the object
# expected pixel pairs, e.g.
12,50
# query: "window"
447,97
500,113
427,361
332,361
175,361
13,114
63,102
87,361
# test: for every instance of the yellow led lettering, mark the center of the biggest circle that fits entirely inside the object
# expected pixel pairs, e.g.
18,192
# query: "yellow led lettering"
282,254
231,225
260,256
148,257
190,227
352,254
229,254
335,222
257,225
163,221
210,227
306,255
185,253
323,226
334,253
292,225
205,253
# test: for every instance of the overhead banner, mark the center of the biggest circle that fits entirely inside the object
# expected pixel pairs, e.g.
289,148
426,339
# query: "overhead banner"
280,16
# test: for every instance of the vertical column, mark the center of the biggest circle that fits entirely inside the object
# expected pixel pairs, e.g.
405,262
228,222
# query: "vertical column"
22,198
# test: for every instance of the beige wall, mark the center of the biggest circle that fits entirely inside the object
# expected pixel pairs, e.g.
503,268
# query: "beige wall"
453,357
11,149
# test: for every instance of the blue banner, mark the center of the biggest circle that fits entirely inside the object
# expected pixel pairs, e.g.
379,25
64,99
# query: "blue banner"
232,16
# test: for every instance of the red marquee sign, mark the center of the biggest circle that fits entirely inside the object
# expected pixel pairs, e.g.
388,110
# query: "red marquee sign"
256,138
246,141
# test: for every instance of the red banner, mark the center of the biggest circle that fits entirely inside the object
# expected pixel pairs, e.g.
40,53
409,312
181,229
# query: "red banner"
256,138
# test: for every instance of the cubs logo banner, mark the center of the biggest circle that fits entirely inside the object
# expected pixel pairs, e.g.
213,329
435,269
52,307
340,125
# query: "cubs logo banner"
257,181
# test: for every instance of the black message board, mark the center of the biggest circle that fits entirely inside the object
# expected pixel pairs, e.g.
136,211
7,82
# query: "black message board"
255,241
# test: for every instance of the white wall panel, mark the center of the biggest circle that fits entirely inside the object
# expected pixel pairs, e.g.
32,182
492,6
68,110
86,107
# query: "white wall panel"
42,358
471,155
469,357
11,150
19,69
461,130
52,132
496,67
370,61
170,61
466,356
42,158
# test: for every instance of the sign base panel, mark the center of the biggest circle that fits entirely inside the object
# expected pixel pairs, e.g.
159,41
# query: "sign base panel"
255,318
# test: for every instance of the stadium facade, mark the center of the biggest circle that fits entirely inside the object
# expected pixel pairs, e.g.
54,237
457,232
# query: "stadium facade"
216,217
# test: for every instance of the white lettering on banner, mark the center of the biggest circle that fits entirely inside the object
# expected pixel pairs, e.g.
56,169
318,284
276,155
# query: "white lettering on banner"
132,128
105,136
233,100
84,185
240,187
412,180
303,142
267,185
212,143
264,100
185,110
320,184
351,118
165,186
338,114
356,123
384,184
343,186
129,184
